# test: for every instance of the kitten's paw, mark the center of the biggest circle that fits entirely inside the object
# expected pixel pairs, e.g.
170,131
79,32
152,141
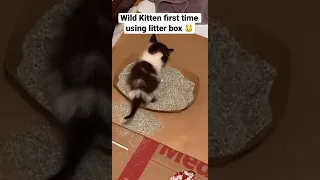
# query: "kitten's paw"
154,100
126,120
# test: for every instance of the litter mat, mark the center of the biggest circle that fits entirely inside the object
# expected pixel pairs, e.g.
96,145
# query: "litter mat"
243,88
35,154
26,69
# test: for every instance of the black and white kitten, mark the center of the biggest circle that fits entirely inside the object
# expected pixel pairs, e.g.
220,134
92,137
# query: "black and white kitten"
83,61
144,77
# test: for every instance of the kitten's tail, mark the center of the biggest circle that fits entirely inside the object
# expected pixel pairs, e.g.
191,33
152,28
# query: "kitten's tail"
135,104
82,109
82,132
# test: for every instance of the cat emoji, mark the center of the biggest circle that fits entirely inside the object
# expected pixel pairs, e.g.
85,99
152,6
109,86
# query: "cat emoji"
189,28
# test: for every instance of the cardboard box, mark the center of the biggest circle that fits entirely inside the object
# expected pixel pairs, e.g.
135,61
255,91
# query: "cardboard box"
183,142
139,157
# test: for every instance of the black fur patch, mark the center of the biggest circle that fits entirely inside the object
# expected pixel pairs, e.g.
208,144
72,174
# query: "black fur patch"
143,70
87,31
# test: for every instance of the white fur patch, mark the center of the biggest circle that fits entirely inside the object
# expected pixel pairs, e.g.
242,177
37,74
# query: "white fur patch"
143,70
82,101
140,94
137,83
153,59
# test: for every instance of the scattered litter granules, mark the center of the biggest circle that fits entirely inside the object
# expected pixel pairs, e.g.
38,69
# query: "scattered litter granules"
143,122
175,91
35,154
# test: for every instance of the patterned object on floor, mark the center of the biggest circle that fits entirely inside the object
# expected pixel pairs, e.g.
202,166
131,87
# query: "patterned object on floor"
35,154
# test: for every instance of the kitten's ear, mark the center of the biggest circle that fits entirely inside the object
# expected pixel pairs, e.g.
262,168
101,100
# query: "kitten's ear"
153,39
170,50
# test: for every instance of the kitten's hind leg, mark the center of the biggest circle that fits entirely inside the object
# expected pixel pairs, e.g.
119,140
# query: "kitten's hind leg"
154,99
82,133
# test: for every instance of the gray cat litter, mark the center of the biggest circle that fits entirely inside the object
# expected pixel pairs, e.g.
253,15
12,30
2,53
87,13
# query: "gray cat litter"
35,154
239,86
144,122
175,92
38,46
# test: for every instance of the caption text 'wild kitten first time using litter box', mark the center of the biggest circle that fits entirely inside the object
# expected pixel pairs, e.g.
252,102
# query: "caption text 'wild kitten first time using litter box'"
159,23
147,17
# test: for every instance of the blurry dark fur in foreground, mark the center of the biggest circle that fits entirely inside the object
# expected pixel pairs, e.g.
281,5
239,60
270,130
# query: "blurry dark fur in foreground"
84,60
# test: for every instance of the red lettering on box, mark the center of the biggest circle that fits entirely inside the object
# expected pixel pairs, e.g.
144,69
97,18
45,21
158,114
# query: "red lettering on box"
202,169
171,153
190,162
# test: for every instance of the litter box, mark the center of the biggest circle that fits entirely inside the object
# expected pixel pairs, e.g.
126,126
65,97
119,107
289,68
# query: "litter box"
257,40
14,56
186,73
